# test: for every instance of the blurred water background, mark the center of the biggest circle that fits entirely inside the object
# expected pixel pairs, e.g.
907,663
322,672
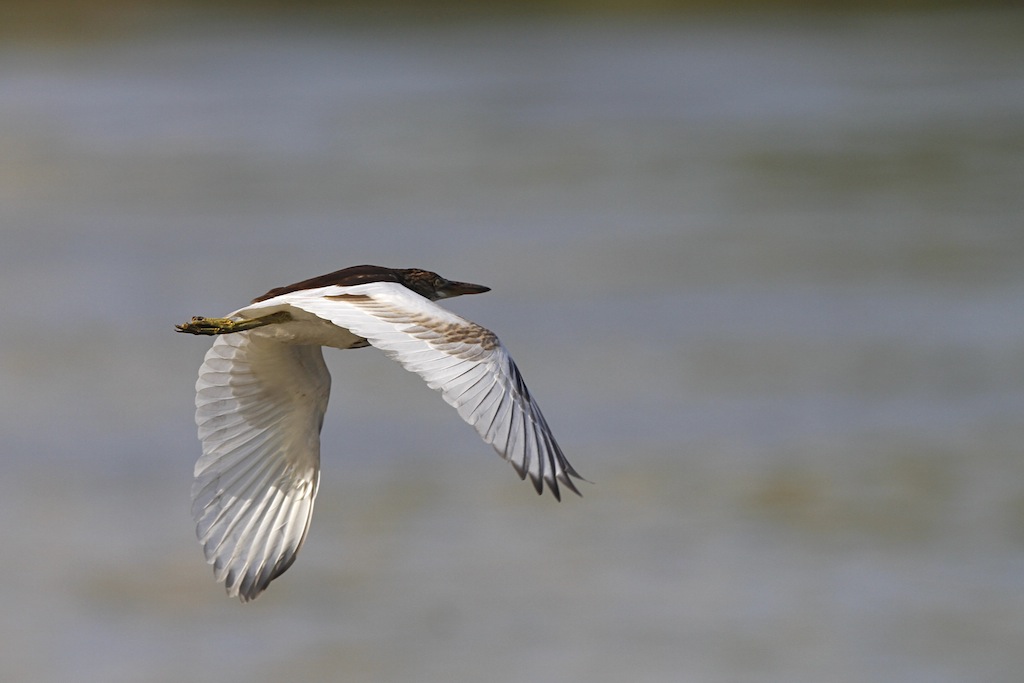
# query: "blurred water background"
763,271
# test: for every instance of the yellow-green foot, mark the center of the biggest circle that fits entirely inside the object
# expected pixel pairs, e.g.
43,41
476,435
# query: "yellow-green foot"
211,326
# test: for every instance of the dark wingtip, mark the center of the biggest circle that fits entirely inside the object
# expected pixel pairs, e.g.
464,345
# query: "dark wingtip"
538,484
521,471
569,484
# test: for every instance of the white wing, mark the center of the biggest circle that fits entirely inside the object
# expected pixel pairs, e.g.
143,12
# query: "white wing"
462,360
259,406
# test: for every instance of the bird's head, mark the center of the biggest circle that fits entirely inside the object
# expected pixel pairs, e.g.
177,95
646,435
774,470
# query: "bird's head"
434,287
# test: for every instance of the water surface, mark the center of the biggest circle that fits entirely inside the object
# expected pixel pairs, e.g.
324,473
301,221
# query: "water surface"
764,276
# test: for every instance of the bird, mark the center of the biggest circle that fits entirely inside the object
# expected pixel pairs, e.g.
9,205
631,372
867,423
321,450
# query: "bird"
263,390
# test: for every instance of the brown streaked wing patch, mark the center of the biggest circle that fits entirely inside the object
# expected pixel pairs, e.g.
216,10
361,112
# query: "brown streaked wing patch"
469,333
351,298
448,333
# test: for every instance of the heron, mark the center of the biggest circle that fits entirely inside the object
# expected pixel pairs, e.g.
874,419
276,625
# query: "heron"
263,389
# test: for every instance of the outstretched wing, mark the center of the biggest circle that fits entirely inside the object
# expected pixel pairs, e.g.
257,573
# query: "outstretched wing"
259,405
461,359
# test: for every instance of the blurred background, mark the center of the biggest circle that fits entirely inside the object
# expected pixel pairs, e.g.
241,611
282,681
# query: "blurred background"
761,263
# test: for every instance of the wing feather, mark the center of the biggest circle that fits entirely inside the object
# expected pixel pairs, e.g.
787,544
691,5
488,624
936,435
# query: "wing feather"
259,407
463,361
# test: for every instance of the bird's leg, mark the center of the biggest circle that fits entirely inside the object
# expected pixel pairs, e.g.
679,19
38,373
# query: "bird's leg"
211,326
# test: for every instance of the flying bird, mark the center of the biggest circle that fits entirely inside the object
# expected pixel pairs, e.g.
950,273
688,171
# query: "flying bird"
263,388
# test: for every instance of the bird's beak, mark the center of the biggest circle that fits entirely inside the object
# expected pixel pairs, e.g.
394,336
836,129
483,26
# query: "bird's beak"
459,288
